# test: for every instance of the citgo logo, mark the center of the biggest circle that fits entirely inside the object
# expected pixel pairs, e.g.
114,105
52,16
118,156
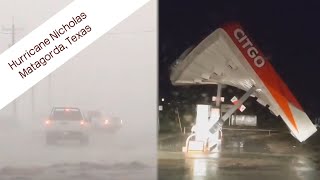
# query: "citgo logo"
251,50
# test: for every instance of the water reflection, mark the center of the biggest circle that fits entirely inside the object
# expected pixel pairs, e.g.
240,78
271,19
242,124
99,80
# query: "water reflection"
304,168
199,167
202,167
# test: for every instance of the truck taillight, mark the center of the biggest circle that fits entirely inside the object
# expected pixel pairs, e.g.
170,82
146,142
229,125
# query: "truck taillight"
106,121
47,122
82,123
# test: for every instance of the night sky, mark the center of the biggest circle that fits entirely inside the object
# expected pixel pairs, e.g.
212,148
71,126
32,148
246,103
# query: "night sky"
287,32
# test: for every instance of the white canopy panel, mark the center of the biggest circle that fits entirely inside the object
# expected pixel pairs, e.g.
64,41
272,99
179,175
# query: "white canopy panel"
229,57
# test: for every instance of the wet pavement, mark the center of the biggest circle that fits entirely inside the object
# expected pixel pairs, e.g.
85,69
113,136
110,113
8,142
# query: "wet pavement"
247,156
80,171
25,156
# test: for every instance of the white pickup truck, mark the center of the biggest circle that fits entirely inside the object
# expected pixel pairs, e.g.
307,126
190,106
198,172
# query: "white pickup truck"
66,123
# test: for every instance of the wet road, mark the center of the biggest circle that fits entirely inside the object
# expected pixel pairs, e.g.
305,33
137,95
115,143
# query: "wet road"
80,171
25,156
278,156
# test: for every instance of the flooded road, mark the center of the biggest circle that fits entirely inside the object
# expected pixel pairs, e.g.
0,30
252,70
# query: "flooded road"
248,156
80,171
25,156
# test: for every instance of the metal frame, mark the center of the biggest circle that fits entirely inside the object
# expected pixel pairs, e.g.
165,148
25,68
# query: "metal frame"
234,108
218,125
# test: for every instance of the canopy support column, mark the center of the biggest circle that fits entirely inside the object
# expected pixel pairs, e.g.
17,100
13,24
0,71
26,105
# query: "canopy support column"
218,99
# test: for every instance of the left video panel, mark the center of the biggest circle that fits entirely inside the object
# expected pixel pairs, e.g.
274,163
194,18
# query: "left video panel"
92,118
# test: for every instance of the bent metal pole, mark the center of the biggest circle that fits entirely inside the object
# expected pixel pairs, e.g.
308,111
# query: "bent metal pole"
222,119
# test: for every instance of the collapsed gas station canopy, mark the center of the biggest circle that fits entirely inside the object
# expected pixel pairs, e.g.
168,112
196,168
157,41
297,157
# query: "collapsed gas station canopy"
228,56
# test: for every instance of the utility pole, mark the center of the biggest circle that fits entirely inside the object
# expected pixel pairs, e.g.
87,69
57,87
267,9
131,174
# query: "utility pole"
12,31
